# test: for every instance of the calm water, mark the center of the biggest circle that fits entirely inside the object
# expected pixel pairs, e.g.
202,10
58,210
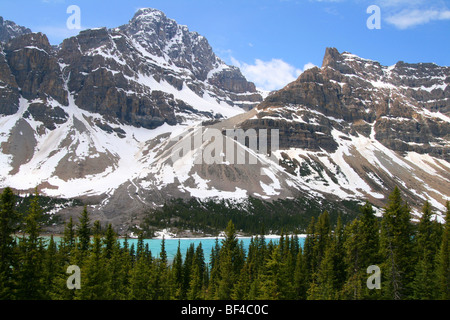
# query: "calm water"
172,245
207,245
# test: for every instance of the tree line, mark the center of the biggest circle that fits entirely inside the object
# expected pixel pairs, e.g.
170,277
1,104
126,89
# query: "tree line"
332,263
252,216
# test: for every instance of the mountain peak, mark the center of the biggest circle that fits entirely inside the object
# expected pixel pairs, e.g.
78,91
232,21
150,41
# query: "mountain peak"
148,13
331,56
9,30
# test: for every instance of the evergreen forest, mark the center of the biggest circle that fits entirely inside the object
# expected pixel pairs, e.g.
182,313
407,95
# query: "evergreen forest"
332,264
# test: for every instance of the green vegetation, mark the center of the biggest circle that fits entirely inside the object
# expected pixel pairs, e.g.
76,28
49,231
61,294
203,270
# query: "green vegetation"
331,264
284,215
47,204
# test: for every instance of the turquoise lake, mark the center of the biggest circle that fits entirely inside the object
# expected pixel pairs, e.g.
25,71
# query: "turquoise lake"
207,244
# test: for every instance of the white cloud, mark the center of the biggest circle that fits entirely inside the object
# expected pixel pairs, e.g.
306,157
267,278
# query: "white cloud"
410,18
270,75
401,3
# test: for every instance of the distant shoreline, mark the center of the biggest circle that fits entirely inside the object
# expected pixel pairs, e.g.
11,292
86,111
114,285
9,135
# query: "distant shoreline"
166,237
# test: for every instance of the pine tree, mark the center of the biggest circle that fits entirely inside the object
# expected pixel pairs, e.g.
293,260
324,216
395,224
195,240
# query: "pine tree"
30,272
352,288
425,286
443,260
110,241
323,235
228,264
324,288
271,280
84,231
310,259
9,219
69,236
338,240
140,279
51,265
177,273
300,277
118,265
196,285
369,236
242,287
94,275
187,269
397,248
369,247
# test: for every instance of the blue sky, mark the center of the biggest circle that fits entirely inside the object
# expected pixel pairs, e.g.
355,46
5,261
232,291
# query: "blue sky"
272,41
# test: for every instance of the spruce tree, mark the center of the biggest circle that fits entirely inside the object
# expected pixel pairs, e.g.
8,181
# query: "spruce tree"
9,220
271,281
352,288
52,263
196,285
326,278
177,273
69,236
425,286
443,260
30,272
310,259
84,231
140,279
300,277
94,274
110,241
228,265
397,248
369,247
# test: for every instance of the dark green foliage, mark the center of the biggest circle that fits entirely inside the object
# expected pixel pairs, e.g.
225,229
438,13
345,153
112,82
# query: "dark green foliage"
331,264
9,222
212,217
397,248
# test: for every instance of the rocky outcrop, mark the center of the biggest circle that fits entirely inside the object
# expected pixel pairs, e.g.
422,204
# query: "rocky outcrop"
401,104
35,68
10,30
134,73
9,91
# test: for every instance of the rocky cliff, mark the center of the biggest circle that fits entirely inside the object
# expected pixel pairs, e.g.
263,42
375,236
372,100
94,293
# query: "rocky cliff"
101,116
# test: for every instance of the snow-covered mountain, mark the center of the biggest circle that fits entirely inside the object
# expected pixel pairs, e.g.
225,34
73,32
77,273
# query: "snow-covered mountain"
84,109
9,30
355,129
101,116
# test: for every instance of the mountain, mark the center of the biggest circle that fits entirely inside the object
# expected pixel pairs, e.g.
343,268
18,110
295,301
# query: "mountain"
9,30
355,128
104,116
352,129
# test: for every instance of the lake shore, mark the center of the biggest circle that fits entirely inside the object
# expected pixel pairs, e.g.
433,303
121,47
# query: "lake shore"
160,235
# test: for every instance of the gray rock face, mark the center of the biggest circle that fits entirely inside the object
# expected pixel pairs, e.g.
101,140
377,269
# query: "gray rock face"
136,74
112,71
35,68
353,94
9,30
96,116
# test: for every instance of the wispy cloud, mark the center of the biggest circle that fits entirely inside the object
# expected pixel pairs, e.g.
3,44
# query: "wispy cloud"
270,75
411,18
404,14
